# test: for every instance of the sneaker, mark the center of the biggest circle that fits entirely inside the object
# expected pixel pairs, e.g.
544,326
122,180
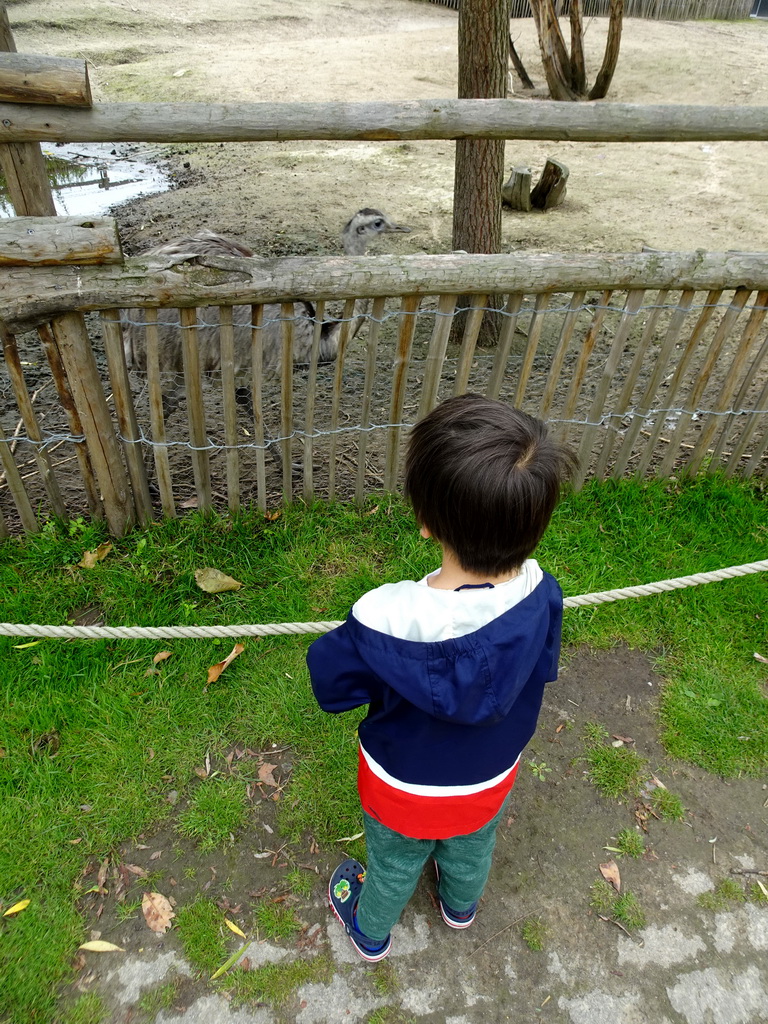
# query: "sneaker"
454,918
343,893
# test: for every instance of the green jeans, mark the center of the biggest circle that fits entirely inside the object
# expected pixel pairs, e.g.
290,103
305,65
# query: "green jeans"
395,863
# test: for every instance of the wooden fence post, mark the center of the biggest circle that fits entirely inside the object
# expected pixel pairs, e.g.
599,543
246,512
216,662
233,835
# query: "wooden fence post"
31,195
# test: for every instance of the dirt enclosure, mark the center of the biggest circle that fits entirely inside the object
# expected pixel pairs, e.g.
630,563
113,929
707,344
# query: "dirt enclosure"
293,197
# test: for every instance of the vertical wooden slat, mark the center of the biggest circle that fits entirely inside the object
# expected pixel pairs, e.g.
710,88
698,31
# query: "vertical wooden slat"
16,487
575,306
643,406
309,419
409,305
757,456
751,375
156,415
735,369
79,361
597,409
126,414
377,315
4,531
73,418
680,369
31,425
438,345
724,328
506,334
230,406
469,342
748,428
572,397
534,336
257,396
622,403
345,332
190,352
287,315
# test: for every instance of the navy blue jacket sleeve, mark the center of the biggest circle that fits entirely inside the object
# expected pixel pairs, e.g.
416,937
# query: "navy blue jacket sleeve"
340,678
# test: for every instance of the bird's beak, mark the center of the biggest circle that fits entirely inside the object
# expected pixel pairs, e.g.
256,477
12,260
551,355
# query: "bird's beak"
399,227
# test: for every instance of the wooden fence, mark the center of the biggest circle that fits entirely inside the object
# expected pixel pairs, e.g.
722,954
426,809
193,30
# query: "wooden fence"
659,10
648,364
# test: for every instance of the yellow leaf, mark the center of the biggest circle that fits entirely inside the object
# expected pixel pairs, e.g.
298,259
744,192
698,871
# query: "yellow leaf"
214,582
215,670
17,908
21,647
90,558
100,946
233,928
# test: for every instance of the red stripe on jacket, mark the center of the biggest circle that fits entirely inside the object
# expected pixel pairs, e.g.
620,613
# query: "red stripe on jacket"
428,817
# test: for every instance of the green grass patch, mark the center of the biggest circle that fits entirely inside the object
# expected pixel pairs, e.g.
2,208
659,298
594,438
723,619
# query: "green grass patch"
726,893
217,812
161,998
274,921
629,843
667,804
623,908
615,771
92,745
89,1009
534,934
276,983
384,978
201,929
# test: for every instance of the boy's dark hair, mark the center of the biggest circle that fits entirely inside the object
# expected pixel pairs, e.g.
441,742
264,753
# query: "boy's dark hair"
484,478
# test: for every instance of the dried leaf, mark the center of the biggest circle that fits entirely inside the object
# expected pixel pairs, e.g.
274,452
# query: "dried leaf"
760,657
610,872
17,908
623,739
201,773
215,670
161,656
233,928
266,776
91,558
100,946
272,516
349,839
189,503
157,911
136,870
156,855
214,582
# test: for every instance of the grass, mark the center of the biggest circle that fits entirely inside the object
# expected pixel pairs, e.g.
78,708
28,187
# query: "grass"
200,927
623,908
615,771
217,812
275,921
725,894
629,843
84,725
534,934
276,983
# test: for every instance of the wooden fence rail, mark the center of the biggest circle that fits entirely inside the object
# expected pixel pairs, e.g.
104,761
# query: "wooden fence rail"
648,364
666,10
398,121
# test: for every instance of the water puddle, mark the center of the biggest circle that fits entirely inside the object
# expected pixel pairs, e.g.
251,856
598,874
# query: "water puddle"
89,179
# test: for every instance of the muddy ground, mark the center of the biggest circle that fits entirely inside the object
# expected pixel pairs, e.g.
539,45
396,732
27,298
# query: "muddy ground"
687,965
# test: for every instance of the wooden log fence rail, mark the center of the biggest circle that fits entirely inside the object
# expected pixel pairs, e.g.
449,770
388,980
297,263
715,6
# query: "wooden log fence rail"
648,364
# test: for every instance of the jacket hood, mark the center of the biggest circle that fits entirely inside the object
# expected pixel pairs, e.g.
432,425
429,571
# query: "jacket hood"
473,679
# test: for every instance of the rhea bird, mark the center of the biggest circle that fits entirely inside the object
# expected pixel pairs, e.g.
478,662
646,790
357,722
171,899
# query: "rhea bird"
359,231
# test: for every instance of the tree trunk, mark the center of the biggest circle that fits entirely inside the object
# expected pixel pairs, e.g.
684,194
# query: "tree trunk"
578,65
605,75
479,168
554,53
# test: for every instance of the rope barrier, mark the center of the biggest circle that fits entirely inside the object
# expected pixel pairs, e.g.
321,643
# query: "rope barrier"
285,628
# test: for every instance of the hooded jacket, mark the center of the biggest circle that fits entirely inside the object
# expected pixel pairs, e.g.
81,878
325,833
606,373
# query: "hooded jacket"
454,682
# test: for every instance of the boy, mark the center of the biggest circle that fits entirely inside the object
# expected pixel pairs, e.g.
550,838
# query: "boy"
452,667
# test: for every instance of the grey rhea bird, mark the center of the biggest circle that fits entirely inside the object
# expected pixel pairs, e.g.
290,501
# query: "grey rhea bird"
358,232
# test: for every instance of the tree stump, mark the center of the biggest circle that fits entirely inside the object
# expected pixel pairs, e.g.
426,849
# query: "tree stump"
549,191
517,191
551,187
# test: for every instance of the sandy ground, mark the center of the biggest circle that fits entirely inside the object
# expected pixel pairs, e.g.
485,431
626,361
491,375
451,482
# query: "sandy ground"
294,197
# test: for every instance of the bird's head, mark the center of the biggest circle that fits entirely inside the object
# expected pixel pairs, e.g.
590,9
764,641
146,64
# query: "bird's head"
364,227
